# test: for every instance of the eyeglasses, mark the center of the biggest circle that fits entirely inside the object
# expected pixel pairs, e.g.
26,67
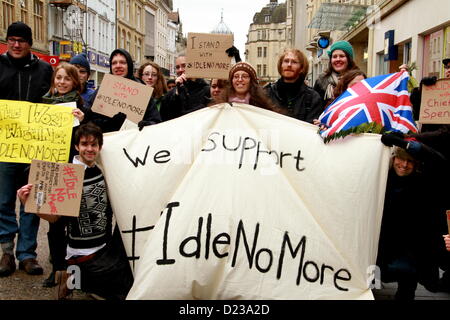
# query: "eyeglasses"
13,41
148,74
241,76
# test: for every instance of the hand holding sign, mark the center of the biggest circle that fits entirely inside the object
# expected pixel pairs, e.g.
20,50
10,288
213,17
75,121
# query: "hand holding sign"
57,188
206,55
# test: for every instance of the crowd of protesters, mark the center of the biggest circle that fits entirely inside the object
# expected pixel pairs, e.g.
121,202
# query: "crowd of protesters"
411,249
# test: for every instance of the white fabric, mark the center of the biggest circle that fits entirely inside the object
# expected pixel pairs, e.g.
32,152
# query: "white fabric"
331,197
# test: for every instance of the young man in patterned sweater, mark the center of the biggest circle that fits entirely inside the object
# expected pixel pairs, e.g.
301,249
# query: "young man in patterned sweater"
100,256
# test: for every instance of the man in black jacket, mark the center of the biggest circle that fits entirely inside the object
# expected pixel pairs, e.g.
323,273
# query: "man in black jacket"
189,94
26,78
290,91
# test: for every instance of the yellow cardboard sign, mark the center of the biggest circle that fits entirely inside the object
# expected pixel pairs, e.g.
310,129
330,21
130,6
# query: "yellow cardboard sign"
34,131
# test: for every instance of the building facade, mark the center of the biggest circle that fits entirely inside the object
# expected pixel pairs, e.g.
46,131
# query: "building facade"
131,28
32,12
150,29
266,39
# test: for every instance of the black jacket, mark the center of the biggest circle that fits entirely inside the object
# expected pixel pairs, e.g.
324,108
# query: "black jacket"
107,124
192,96
304,104
27,83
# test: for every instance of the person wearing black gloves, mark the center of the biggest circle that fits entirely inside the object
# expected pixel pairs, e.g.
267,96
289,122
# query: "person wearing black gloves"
121,64
233,52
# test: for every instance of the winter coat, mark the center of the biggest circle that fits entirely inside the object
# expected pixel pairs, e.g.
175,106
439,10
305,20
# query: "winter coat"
27,83
304,104
185,98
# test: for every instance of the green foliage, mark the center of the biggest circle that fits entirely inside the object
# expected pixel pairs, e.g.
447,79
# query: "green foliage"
371,127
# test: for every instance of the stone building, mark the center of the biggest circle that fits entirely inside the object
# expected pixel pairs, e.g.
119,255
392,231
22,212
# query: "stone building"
266,39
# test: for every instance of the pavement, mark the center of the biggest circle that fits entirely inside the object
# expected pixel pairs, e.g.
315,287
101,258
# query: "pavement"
21,286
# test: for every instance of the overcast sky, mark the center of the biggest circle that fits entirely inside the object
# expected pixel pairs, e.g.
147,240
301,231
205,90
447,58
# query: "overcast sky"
204,16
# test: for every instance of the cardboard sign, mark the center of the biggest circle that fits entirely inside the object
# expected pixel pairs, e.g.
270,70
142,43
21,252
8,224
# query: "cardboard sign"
206,56
435,104
57,188
34,131
248,197
119,94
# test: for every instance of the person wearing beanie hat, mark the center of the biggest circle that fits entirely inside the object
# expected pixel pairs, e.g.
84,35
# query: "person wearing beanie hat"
341,61
290,91
243,87
23,77
20,29
81,62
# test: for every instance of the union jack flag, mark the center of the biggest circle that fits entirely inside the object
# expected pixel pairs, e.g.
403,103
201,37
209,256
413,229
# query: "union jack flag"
383,99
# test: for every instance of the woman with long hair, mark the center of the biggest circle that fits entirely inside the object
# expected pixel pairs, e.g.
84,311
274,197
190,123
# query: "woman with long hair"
243,87
341,61
150,73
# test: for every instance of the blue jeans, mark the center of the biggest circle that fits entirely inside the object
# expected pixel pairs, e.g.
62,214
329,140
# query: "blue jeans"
11,179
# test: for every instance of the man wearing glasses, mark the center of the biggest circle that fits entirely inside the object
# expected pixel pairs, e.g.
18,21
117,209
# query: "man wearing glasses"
290,91
26,78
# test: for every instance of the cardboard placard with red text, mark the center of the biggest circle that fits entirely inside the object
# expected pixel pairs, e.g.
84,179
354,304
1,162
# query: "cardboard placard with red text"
206,56
57,188
435,104
448,220
119,94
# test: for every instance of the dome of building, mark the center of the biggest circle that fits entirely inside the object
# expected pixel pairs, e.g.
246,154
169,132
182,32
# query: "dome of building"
222,27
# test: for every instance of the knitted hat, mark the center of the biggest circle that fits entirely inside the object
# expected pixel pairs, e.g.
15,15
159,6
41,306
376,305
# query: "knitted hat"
341,45
81,60
20,29
403,154
243,66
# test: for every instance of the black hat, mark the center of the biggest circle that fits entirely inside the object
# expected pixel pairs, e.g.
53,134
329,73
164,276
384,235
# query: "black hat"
446,61
20,29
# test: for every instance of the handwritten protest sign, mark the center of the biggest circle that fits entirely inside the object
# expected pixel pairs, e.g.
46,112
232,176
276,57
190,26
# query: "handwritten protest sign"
34,131
248,197
206,56
435,104
119,94
57,188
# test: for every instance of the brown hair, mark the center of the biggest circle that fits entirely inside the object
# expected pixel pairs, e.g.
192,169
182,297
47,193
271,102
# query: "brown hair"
86,130
350,66
301,58
345,79
160,87
72,72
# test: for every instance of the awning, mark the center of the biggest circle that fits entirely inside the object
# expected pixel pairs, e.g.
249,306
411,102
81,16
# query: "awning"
337,16
53,60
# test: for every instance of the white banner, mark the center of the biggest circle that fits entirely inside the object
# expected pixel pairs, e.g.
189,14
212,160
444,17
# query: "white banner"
243,203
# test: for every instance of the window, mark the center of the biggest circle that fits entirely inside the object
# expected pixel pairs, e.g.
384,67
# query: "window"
138,50
267,19
138,17
258,70
38,20
128,44
264,70
24,11
8,13
259,52
122,8
127,10
265,52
